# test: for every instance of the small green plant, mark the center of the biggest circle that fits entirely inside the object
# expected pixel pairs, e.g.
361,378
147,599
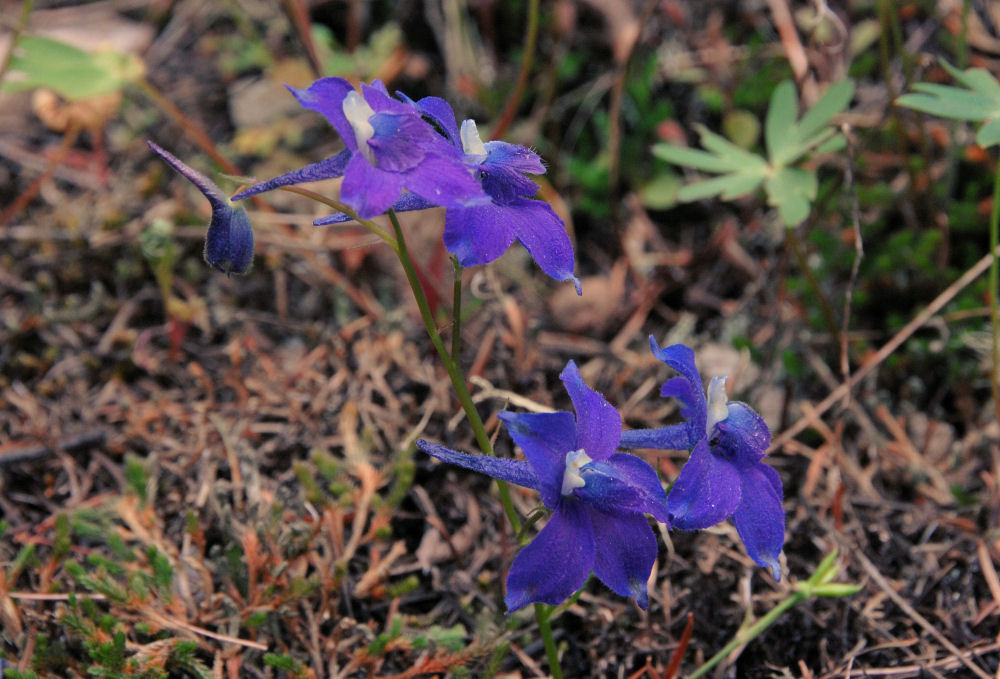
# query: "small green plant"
73,73
819,584
788,140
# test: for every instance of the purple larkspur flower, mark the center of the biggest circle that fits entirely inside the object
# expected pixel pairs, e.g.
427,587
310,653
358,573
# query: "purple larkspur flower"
229,242
598,497
479,233
725,475
389,147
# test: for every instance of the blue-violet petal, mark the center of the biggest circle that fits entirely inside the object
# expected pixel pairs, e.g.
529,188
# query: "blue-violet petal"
556,563
759,517
545,438
624,554
598,423
707,491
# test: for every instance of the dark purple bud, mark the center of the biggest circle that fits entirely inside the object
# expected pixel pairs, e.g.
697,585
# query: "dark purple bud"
229,243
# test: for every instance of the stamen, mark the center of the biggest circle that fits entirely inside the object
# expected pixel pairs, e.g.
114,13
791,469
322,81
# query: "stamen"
718,410
572,478
472,143
358,114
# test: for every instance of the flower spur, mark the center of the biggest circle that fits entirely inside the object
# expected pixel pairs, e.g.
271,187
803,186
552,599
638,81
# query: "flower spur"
598,499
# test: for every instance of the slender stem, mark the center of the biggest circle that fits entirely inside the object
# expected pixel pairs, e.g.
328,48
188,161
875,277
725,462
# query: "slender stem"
454,372
522,78
22,23
542,615
748,634
456,312
824,304
994,289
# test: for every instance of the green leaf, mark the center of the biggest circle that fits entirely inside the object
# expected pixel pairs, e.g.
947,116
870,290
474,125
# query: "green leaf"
731,185
826,570
834,101
836,589
741,185
780,120
800,148
72,73
989,133
835,143
792,190
660,192
742,127
679,155
949,102
727,150
976,79
450,638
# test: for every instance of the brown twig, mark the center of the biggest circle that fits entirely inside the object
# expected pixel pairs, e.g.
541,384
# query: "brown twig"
510,110
12,453
22,200
299,16
859,253
796,54
682,643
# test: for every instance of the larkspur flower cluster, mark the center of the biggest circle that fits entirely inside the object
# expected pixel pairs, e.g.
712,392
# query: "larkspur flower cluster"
479,233
599,498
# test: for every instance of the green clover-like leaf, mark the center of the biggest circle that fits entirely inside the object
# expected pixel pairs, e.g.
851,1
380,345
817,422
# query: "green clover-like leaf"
787,139
978,102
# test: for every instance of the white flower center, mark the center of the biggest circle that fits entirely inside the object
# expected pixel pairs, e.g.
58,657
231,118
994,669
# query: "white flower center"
358,114
717,400
472,143
571,477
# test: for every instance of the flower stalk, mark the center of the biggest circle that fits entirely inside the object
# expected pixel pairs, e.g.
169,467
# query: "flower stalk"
456,312
994,290
543,614
450,365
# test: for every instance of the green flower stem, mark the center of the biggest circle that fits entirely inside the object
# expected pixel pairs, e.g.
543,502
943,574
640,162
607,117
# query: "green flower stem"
345,208
456,313
451,366
824,304
543,613
994,285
